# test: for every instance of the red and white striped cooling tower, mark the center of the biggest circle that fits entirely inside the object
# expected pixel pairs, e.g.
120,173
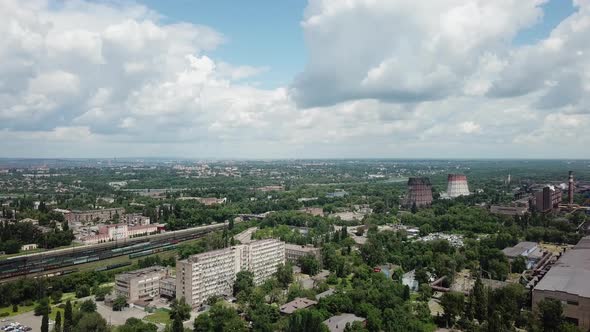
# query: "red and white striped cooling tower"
457,185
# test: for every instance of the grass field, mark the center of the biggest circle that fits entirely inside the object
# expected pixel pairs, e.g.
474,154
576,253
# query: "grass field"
21,309
161,316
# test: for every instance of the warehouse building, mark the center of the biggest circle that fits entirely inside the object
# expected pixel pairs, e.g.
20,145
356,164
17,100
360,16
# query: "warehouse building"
568,281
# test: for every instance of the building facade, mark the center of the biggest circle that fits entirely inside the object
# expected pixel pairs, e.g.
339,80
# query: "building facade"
548,199
119,232
94,215
568,281
213,273
141,284
293,252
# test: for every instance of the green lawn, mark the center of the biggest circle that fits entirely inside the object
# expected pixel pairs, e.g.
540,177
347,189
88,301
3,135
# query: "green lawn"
21,309
161,316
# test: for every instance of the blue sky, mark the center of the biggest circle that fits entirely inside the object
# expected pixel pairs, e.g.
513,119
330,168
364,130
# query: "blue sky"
263,33
268,32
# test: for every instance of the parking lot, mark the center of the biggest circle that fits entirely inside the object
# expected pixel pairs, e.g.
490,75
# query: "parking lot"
13,325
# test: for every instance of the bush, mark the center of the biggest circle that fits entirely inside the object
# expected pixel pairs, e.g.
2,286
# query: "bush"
4,314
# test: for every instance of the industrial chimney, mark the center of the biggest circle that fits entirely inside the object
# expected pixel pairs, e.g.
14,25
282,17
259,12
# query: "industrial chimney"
570,191
457,185
419,192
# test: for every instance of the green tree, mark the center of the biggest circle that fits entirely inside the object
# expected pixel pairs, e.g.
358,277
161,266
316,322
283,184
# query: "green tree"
88,306
56,296
550,314
306,320
179,308
452,304
177,324
57,327
219,318
82,291
285,275
480,300
119,303
42,307
101,292
244,282
309,265
137,325
45,322
91,322
68,317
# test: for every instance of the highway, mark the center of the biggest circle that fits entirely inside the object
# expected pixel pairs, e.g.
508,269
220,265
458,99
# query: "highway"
55,262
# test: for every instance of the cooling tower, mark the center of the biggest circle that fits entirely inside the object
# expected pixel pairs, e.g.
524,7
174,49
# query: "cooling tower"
457,185
419,192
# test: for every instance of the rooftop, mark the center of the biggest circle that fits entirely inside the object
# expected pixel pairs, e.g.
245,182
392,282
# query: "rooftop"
519,249
298,303
571,272
139,273
289,246
338,323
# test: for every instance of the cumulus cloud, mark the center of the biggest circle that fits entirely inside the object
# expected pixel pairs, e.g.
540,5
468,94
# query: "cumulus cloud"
403,51
384,78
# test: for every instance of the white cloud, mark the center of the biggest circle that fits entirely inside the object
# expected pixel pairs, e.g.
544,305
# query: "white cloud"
384,78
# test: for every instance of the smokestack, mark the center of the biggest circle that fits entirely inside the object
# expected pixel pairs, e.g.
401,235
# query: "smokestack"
570,192
457,185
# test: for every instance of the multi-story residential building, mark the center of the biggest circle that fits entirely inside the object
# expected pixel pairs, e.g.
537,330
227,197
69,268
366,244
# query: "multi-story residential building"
294,251
568,282
213,273
140,284
93,215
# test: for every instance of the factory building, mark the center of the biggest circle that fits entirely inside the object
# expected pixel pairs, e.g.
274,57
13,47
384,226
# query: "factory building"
457,185
568,282
213,273
419,192
548,199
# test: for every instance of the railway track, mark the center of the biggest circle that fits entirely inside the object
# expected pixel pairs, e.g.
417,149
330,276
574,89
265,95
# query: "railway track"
58,262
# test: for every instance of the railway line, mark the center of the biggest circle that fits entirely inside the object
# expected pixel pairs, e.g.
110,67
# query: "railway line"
63,261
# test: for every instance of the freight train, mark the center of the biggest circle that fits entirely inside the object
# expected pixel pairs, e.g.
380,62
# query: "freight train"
136,247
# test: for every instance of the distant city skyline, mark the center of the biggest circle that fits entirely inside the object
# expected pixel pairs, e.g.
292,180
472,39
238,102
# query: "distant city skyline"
295,79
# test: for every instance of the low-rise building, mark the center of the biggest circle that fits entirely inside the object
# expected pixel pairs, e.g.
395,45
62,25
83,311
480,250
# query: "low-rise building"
314,211
529,250
27,247
119,232
213,273
141,284
168,287
94,215
294,251
298,303
568,281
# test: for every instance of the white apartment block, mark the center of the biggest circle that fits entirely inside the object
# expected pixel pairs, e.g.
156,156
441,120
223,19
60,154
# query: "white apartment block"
213,273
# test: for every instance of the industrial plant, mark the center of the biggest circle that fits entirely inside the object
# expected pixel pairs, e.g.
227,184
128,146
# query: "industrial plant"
419,192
